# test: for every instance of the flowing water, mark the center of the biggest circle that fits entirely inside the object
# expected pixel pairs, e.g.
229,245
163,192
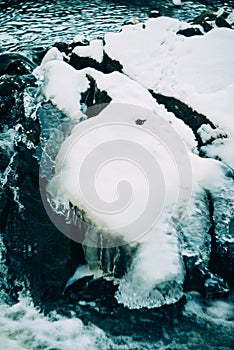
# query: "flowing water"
28,24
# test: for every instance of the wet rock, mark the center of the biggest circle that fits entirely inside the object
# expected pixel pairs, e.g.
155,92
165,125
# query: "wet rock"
5,158
132,21
79,62
223,260
11,98
222,23
215,287
190,117
189,32
15,64
205,16
94,98
154,14
205,20
195,274
176,3
206,26
37,253
79,40
62,47
38,52
108,65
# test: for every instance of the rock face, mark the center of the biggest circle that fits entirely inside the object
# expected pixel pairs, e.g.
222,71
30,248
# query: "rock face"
210,19
190,32
107,65
31,240
11,98
15,63
190,117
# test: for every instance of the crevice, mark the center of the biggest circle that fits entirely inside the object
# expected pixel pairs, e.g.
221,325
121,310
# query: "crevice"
212,233
185,113
94,99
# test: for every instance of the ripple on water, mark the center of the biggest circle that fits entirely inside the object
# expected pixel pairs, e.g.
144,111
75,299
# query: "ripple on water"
92,19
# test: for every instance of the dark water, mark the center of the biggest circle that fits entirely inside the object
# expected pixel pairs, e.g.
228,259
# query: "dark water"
26,24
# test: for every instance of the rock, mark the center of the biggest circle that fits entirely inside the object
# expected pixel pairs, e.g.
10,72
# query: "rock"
222,23
94,97
154,14
206,26
79,62
209,19
5,159
132,21
177,3
215,287
203,19
79,40
11,98
37,254
140,121
190,32
190,117
195,274
38,52
15,64
205,16
62,47
108,65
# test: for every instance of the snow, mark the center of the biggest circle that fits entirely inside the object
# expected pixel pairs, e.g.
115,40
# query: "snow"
78,38
52,54
93,50
109,151
144,183
197,70
62,85
128,214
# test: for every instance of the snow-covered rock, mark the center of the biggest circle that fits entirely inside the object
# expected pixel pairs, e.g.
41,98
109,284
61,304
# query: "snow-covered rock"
132,172
196,70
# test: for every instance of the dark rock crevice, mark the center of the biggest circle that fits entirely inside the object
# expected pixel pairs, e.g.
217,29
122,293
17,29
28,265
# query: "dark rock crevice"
222,252
94,99
108,65
182,111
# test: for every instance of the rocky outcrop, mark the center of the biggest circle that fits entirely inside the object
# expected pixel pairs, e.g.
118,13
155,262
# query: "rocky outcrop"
15,63
94,98
11,98
108,65
190,117
189,32
209,19
37,254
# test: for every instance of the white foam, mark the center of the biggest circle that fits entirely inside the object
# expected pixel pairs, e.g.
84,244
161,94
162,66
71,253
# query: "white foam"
22,327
